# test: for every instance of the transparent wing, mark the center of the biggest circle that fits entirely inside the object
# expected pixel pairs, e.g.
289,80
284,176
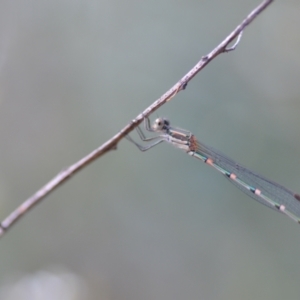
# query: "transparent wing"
272,194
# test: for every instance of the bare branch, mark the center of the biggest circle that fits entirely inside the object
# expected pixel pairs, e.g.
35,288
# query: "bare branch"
112,143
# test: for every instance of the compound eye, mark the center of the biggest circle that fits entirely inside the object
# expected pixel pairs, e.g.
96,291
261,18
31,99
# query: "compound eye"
166,122
158,124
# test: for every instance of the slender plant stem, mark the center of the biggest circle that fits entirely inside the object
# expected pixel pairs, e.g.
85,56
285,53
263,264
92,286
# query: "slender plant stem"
111,144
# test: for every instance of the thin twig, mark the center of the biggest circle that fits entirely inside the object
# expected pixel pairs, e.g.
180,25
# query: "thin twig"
112,143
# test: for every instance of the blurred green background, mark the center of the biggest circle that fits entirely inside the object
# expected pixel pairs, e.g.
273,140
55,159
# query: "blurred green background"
155,225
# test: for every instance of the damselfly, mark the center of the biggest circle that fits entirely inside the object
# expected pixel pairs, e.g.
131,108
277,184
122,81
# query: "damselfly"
256,186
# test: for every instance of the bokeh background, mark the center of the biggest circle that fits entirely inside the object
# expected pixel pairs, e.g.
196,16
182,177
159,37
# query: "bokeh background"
155,225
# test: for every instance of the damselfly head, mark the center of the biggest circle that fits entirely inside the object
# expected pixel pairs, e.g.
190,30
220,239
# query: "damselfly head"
161,124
